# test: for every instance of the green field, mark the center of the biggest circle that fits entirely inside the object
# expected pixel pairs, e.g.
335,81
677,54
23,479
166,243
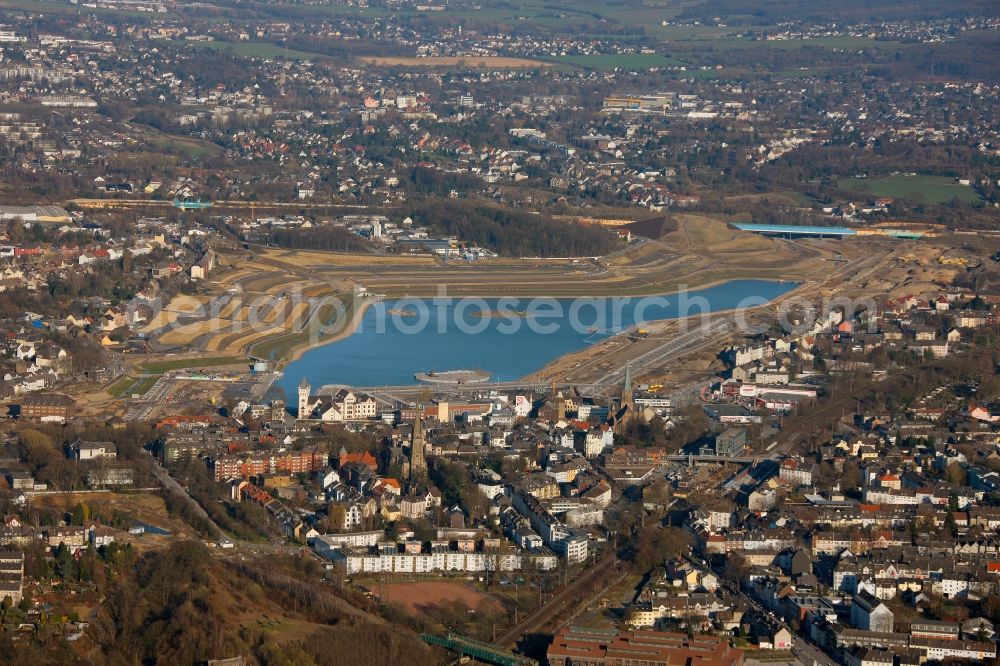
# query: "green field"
128,386
181,363
185,145
927,189
143,385
120,386
189,148
53,7
620,60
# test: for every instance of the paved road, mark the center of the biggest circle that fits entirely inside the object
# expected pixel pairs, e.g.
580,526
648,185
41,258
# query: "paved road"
171,484
672,348
152,398
808,654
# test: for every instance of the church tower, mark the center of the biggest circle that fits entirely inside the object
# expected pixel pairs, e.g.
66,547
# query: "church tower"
626,407
627,398
418,463
304,389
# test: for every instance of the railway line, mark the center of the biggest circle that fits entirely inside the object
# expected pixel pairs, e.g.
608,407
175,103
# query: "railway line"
562,600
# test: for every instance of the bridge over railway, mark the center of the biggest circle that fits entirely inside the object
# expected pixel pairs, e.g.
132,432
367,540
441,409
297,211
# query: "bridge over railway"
470,647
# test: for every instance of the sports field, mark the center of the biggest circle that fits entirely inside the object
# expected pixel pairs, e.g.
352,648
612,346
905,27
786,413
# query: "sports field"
926,189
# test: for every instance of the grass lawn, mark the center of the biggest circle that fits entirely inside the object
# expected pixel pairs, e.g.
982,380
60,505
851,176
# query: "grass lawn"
188,146
620,60
928,189
118,388
142,386
163,142
128,386
181,363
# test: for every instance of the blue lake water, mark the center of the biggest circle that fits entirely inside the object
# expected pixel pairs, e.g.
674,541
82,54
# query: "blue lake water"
399,338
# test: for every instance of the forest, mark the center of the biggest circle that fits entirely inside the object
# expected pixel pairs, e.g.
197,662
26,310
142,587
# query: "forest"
512,232
336,239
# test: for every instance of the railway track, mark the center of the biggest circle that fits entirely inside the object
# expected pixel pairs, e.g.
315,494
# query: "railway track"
560,601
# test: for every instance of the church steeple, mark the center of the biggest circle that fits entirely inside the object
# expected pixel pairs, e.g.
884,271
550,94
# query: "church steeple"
626,407
418,463
627,386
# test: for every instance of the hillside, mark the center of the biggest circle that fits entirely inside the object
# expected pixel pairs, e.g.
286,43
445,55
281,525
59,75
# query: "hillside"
182,606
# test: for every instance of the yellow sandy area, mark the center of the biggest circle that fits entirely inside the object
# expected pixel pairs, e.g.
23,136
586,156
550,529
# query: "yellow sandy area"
242,341
271,314
185,335
182,304
310,258
228,308
317,290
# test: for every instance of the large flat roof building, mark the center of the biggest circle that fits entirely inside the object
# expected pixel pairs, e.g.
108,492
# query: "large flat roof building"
41,214
578,646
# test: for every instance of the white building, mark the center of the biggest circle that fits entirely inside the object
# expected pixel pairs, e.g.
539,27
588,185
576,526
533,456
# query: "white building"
93,450
392,558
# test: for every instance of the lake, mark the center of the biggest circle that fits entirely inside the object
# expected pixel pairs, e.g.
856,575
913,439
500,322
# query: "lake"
508,338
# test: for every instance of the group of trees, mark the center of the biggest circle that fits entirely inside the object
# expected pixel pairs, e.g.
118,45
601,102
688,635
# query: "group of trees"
452,479
509,232
43,448
336,239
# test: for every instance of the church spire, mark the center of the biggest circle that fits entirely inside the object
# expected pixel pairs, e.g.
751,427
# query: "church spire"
418,463
626,407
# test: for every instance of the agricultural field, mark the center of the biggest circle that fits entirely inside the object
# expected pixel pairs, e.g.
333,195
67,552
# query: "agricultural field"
483,62
927,189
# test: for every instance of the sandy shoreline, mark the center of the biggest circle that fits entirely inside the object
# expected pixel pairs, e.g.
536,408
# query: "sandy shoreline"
556,365
357,313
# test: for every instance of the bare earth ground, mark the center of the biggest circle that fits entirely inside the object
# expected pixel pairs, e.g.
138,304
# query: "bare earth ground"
700,252
413,596
268,275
